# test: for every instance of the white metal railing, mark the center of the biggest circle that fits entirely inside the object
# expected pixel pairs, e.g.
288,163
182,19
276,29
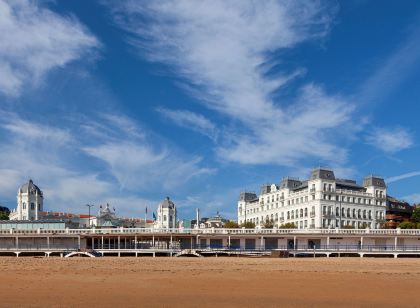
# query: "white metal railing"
221,231
353,192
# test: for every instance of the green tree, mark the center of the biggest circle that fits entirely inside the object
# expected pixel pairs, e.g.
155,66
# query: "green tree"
407,225
231,224
4,216
288,225
248,225
415,217
269,224
348,227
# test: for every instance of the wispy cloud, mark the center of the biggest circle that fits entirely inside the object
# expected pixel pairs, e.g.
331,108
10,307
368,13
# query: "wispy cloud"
402,176
394,69
74,170
221,52
190,120
35,40
413,198
139,166
390,140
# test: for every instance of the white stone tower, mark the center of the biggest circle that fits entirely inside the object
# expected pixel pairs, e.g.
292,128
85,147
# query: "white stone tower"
166,214
30,202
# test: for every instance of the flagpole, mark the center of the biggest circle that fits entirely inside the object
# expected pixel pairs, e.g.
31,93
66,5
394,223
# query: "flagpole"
145,217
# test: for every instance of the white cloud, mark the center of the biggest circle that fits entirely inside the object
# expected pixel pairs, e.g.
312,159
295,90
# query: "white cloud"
55,158
222,52
22,129
413,198
190,120
390,140
35,40
392,71
139,166
402,176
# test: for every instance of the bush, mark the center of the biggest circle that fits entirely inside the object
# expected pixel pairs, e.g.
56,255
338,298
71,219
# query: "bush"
289,225
231,224
248,225
407,225
269,224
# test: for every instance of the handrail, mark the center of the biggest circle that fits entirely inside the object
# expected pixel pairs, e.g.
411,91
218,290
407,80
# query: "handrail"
216,231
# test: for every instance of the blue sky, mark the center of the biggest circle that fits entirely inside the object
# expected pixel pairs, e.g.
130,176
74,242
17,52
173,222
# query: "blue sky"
128,102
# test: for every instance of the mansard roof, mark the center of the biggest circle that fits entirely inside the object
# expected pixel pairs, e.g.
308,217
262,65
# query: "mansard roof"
374,181
322,173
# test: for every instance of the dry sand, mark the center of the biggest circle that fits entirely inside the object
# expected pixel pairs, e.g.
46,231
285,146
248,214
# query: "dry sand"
206,282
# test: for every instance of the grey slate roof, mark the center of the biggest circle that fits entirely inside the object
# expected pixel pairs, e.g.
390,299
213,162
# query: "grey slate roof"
30,187
167,203
320,173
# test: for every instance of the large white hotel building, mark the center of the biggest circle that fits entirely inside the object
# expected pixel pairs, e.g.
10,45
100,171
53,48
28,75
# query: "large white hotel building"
322,201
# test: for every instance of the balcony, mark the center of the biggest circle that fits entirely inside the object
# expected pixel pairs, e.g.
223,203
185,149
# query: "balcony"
312,190
328,215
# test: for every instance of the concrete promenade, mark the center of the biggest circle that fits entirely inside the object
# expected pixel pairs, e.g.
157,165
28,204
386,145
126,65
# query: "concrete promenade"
205,242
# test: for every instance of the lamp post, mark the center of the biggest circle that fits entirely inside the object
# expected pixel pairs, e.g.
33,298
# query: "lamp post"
89,206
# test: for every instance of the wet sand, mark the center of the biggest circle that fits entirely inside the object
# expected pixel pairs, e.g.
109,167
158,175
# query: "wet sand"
208,282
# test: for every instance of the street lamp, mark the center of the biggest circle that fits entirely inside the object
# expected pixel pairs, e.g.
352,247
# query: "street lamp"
89,206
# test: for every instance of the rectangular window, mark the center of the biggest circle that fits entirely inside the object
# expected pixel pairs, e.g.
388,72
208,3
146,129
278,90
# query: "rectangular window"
32,206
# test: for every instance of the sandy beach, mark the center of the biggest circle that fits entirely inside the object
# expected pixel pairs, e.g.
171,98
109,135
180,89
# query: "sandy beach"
206,282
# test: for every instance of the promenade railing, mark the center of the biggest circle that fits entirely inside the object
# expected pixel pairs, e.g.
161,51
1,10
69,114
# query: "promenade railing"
213,231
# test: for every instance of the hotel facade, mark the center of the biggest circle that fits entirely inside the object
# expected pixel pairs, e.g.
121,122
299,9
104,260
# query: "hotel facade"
322,201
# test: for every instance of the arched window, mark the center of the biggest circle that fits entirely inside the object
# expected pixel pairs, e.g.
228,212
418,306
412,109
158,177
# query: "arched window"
277,217
337,211
301,213
348,212
359,214
343,212
288,215
306,212
354,213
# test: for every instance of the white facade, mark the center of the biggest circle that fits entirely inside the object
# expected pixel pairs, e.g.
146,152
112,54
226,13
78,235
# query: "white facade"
166,214
30,201
319,202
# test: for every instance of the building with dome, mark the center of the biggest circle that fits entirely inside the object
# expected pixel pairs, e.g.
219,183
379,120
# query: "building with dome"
30,202
107,217
166,214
